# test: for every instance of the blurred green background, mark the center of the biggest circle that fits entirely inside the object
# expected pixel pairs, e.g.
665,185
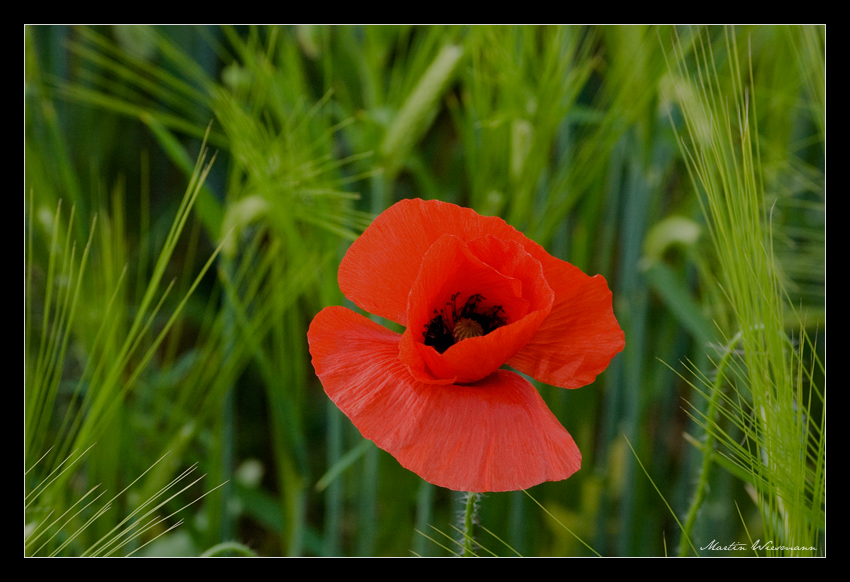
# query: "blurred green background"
164,316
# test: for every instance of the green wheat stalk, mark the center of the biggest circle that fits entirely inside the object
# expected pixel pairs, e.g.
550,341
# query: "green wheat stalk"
784,448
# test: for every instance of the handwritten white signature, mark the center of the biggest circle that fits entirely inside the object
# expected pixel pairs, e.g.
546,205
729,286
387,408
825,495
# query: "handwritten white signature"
756,546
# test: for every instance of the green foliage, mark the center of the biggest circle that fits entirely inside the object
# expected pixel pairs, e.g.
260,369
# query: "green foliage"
161,331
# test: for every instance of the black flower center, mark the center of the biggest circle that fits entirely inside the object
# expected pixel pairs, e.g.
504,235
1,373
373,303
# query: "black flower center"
449,326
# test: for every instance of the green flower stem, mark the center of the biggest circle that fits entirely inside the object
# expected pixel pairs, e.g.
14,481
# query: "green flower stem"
708,447
469,523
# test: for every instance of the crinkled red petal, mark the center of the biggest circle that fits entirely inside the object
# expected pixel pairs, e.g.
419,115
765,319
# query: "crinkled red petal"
580,336
381,266
494,435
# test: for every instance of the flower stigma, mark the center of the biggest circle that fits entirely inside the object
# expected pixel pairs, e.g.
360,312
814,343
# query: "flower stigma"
466,328
449,326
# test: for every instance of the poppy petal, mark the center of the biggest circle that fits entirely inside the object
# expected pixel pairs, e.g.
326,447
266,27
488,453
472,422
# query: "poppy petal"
494,435
580,336
381,266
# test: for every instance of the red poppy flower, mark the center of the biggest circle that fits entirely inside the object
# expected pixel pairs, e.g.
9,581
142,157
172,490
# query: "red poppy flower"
473,294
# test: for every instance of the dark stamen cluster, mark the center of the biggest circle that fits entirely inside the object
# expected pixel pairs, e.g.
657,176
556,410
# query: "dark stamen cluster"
439,331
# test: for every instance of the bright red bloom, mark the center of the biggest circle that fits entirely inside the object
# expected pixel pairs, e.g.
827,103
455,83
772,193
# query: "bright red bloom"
474,294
